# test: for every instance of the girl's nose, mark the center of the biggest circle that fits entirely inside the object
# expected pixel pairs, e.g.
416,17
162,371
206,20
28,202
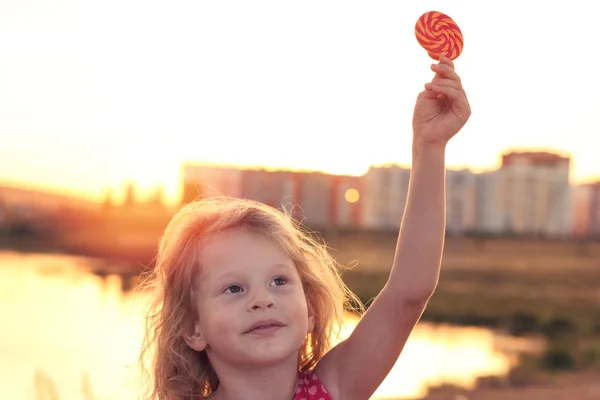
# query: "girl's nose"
261,300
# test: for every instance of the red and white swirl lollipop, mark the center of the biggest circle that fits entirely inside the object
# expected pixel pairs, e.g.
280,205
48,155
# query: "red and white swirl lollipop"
439,35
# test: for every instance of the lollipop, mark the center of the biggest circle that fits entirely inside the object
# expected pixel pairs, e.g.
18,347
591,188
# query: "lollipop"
439,35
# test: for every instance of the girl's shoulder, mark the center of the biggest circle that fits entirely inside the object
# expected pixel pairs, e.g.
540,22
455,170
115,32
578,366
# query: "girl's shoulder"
310,387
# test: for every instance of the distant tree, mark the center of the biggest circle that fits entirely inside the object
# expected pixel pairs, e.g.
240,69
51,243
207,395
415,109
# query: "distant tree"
44,386
523,323
108,203
129,194
86,387
157,198
558,359
559,327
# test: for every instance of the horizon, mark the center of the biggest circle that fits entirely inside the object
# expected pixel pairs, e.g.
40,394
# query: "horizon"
321,87
118,193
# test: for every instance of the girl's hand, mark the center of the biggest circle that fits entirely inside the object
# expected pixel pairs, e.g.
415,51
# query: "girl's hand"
442,109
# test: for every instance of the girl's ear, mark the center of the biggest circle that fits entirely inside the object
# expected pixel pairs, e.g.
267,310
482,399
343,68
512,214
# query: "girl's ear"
193,336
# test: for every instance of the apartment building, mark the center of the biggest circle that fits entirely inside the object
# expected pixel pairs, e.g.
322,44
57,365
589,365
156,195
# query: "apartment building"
211,180
528,194
586,210
461,201
316,199
490,216
384,196
536,193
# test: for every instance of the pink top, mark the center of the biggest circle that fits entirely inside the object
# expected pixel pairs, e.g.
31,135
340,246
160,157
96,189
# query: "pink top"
310,387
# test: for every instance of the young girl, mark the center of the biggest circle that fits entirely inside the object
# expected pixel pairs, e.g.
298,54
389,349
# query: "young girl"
247,305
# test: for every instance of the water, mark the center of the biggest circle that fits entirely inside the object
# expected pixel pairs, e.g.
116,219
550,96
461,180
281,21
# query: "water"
68,334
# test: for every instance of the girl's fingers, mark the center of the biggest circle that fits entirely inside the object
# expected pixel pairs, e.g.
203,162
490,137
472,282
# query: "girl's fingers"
445,60
438,82
445,71
447,91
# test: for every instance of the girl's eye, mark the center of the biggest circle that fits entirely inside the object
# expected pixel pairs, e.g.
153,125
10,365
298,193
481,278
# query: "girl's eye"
234,289
280,281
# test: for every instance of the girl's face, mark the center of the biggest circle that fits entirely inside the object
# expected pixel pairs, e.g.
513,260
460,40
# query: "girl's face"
252,310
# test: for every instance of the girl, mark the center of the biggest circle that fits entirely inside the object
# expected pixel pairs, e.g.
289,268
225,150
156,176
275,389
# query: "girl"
248,305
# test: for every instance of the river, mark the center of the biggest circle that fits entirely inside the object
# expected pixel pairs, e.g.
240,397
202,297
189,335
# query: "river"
68,334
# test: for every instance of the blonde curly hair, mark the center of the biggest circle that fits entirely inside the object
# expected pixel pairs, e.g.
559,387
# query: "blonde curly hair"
174,371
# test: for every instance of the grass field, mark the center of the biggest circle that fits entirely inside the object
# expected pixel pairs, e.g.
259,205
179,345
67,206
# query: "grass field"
529,287
488,277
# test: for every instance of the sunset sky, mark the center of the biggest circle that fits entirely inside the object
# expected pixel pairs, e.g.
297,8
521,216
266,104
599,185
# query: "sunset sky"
95,93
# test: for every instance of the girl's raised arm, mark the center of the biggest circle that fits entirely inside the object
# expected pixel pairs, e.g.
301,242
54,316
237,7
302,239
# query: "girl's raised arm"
356,367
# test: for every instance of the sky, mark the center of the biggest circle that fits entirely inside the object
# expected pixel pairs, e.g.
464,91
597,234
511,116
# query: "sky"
97,93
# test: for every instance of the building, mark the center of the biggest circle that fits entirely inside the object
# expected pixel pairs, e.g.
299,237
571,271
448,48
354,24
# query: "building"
315,199
203,180
262,186
586,210
595,211
534,159
307,195
38,203
530,195
385,189
535,193
490,216
42,211
279,189
461,201
346,201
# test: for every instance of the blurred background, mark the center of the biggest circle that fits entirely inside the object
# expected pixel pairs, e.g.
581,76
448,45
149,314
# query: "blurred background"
113,114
